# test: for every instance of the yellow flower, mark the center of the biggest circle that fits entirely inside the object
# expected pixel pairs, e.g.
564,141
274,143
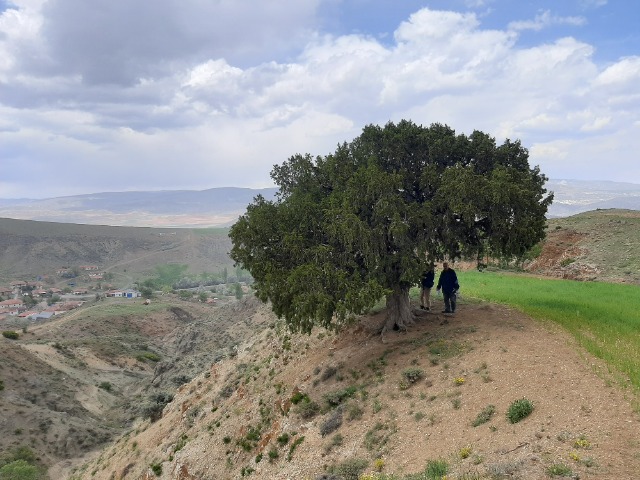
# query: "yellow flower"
459,380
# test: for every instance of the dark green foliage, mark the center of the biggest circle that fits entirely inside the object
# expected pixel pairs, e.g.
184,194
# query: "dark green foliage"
273,454
153,408
350,227
298,397
335,398
283,439
293,447
436,469
519,410
307,409
156,468
10,334
106,386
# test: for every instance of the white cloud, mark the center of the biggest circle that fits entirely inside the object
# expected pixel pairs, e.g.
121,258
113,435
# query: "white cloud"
545,20
177,106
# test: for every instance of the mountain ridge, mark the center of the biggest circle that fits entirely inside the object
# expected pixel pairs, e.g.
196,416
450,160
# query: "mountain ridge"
219,207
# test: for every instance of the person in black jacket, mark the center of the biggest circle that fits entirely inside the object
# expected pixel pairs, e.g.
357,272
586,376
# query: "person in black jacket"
448,282
426,284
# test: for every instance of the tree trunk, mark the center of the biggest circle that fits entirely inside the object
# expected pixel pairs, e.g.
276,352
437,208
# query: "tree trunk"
399,314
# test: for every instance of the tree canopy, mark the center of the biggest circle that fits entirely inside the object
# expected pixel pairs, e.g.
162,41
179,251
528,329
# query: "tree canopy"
363,222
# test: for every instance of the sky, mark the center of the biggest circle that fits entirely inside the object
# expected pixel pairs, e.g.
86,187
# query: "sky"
126,95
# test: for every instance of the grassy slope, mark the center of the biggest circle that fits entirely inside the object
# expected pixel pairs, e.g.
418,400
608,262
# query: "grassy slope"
603,317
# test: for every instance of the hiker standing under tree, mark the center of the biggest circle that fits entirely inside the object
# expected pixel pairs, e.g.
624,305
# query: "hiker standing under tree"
448,281
426,284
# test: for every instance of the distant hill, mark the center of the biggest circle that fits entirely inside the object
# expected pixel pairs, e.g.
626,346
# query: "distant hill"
29,249
222,206
168,208
577,196
601,245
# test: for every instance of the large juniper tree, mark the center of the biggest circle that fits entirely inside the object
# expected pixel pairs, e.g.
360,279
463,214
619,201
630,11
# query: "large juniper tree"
362,223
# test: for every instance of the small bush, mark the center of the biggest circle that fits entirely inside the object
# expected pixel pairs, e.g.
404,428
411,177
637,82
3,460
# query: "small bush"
328,373
354,412
436,469
332,423
559,470
10,334
349,469
298,397
153,357
519,410
293,447
106,386
307,409
156,468
283,439
273,454
337,397
412,375
484,416
1,385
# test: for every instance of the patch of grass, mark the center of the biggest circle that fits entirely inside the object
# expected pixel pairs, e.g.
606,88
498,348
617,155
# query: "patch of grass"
151,356
377,437
436,469
484,416
293,447
10,334
519,410
442,348
582,442
349,469
559,470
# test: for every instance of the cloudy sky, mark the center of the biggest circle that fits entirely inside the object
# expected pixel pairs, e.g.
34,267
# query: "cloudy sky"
118,95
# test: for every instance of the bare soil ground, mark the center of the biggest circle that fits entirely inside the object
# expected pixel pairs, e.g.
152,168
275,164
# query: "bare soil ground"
483,355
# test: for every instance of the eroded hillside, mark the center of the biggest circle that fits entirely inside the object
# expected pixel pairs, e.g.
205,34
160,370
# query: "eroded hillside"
339,405
602,245
74,383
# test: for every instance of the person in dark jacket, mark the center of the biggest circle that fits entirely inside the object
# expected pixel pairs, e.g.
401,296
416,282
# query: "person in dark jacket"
426,284
448,282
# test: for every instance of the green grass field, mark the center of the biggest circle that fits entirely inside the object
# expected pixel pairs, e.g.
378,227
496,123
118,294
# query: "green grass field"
603,317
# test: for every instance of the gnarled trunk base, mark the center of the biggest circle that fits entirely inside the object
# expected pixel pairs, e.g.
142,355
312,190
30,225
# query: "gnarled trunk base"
399,313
